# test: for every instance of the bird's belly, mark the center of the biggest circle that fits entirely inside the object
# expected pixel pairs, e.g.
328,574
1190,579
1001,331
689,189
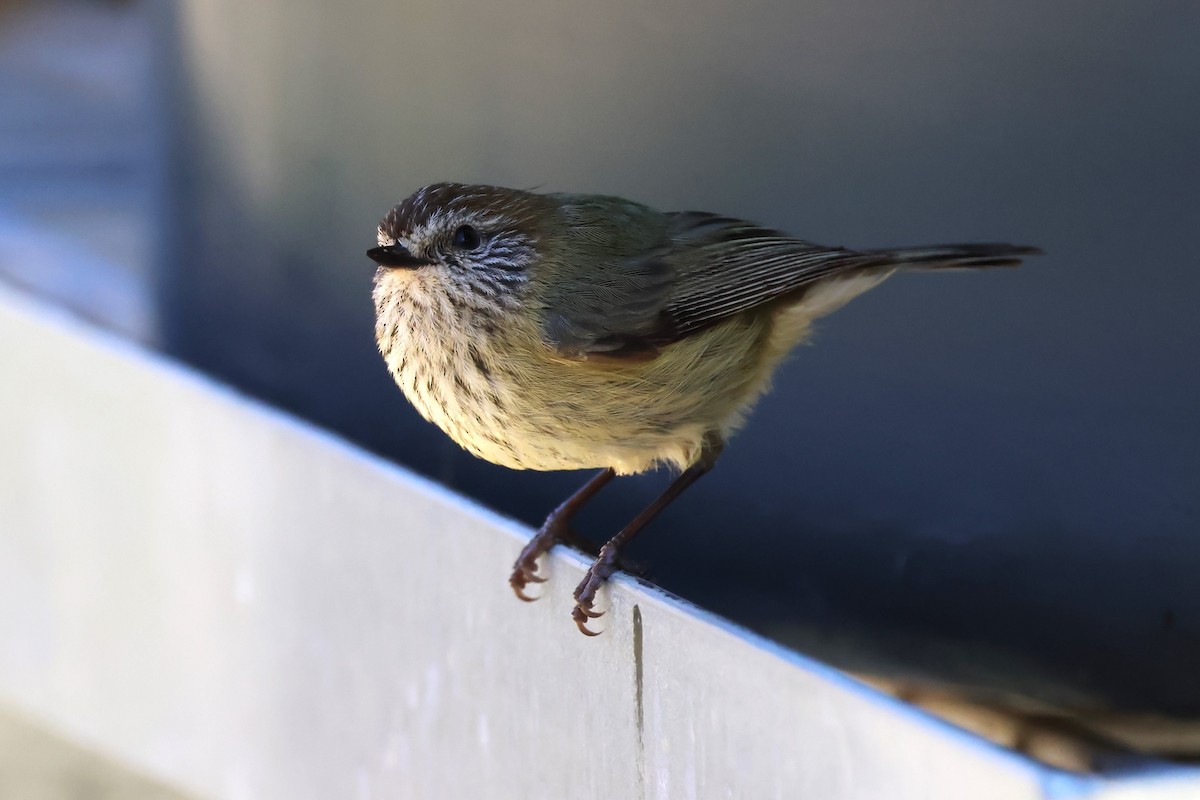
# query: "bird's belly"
470,406
515,429
525,409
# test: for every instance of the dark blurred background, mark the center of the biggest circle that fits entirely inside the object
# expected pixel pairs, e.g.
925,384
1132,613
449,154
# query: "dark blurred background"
991,478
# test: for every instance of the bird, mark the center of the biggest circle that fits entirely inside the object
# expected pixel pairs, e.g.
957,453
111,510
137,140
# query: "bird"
554,331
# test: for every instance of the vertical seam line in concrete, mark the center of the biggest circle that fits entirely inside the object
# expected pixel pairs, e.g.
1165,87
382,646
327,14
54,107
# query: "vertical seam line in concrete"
638,699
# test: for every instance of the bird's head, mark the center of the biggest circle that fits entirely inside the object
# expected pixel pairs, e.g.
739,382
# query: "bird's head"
482,235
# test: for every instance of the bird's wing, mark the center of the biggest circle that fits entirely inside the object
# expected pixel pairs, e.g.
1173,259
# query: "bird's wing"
706,268
724,266
607,298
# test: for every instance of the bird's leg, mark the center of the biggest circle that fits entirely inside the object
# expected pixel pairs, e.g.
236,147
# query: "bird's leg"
607,562
556,528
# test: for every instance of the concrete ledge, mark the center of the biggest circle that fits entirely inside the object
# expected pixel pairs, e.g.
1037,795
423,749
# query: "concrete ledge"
246,607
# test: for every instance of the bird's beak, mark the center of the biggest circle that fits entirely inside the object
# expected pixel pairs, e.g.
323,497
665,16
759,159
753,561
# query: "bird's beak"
396,256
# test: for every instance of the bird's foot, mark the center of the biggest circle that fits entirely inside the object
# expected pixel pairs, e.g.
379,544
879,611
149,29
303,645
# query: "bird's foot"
526,567
525,570
585,594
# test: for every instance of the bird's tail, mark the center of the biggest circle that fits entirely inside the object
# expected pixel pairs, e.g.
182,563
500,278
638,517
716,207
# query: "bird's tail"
952,256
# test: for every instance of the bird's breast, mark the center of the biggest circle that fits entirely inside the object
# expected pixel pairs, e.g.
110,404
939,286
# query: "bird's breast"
441,356
503,394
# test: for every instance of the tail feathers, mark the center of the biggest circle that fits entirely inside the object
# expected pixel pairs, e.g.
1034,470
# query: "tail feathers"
955,256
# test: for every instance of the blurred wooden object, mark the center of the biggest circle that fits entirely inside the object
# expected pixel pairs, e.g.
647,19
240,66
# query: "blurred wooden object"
1075,740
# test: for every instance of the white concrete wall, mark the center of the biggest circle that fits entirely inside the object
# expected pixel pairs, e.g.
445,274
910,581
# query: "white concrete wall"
246,607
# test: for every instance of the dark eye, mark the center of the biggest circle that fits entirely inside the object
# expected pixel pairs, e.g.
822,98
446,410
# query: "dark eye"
467,238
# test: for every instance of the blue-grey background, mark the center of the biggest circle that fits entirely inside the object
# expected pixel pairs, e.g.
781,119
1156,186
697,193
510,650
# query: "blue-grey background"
990,477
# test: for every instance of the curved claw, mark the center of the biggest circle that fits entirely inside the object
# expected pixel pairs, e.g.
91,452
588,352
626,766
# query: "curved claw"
519,591
589,612
585,595
525,572
522,576
581,618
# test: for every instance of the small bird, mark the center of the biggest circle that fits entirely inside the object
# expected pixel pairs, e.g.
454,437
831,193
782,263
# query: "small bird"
581,331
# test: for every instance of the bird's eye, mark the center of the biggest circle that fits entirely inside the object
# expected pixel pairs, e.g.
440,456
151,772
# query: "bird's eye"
467,238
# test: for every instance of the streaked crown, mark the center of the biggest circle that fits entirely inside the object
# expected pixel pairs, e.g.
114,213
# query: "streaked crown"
460,226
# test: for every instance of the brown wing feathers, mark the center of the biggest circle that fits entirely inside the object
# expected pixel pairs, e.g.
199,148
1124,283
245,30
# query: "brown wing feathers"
724,266
709,268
